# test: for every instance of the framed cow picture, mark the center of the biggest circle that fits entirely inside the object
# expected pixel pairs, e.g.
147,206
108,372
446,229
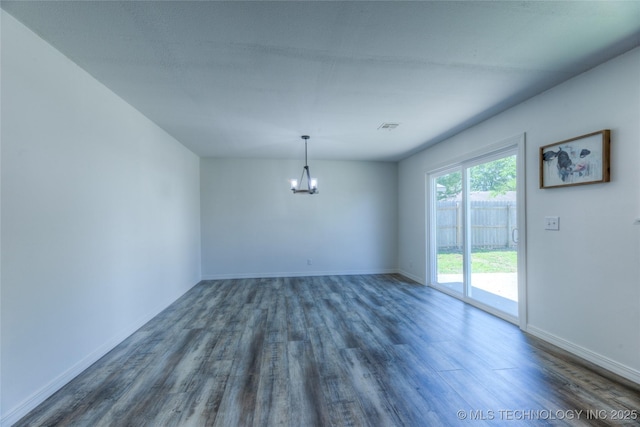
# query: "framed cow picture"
576,161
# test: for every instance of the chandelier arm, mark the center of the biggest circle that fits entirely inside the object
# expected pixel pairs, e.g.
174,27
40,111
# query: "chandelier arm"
306,169
301,179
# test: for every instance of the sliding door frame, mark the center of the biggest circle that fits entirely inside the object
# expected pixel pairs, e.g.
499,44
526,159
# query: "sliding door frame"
509,146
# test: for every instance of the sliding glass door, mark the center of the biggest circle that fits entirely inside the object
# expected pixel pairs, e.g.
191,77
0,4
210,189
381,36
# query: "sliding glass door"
474,232
449,238
492,234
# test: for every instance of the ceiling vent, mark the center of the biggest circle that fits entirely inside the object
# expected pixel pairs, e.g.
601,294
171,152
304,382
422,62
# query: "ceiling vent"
388,126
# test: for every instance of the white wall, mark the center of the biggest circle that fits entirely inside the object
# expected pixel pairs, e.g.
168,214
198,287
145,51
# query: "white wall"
583,282
100,220
253,226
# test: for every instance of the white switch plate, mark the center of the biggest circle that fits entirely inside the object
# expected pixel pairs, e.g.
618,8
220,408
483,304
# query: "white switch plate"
552,223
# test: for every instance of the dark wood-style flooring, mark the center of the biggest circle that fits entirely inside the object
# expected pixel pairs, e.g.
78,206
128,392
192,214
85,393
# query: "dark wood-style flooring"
334,351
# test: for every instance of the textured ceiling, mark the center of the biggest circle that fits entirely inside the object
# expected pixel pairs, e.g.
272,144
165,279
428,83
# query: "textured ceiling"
246,79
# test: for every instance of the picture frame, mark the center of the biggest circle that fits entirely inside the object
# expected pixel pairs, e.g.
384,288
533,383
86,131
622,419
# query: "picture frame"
577,161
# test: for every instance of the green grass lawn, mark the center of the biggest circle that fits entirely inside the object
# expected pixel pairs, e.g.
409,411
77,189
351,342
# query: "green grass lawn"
482,262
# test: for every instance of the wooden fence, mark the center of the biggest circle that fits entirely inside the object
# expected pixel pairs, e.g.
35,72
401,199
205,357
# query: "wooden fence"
492,225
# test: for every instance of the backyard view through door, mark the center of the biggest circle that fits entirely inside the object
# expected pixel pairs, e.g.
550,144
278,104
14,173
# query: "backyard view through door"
475,233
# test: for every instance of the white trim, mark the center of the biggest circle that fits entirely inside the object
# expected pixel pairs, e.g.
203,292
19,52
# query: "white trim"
31,402
584,353
521,221
1,413
429,214
300,274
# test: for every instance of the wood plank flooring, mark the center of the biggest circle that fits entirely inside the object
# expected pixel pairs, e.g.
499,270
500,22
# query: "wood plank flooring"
334,351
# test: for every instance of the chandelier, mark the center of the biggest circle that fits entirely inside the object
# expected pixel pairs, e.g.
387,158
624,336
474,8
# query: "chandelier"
311,183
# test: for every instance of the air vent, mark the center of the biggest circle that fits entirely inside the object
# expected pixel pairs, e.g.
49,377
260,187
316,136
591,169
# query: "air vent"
388,126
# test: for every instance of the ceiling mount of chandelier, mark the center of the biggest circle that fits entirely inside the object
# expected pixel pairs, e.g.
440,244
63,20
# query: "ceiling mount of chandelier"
299,187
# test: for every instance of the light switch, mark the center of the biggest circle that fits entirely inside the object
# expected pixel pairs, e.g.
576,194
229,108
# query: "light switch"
552,223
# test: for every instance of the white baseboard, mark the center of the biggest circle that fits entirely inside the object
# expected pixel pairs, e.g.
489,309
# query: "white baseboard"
591,356
411,276
295,274
31,402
